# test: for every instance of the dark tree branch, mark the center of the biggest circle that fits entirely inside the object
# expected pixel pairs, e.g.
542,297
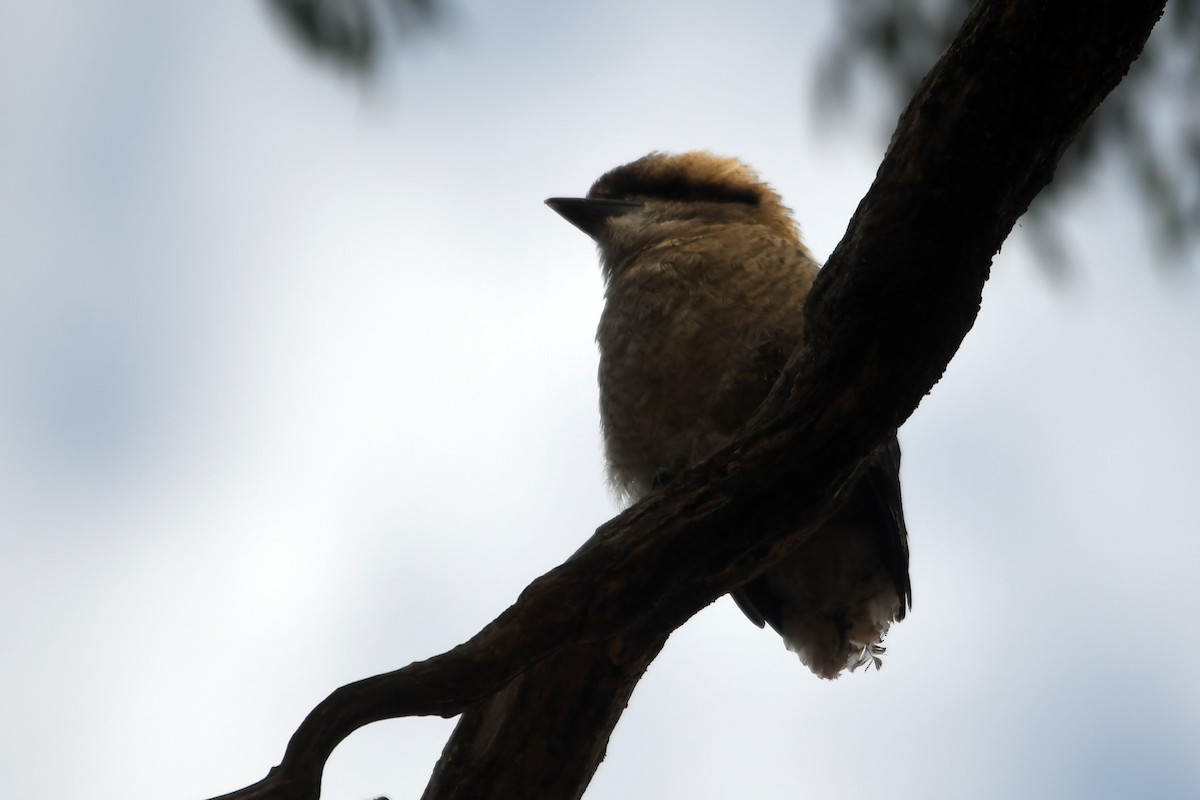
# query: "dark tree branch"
894,42
979,140
545,733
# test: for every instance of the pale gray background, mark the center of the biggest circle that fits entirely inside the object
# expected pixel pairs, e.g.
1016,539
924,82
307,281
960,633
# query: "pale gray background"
297,386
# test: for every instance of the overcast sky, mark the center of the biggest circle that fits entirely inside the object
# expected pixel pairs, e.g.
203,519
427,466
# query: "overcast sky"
297,385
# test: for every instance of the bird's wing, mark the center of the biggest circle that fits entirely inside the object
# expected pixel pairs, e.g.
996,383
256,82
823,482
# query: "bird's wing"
882,479
876,500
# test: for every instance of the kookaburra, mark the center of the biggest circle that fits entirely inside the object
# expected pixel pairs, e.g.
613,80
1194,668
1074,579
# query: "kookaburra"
706,279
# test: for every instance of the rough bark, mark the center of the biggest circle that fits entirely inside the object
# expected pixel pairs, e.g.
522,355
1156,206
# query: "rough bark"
973,148
545,733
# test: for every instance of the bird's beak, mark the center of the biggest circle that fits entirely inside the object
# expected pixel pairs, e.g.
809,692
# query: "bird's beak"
589,213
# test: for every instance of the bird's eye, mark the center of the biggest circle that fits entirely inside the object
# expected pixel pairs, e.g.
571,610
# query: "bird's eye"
693,192
674,187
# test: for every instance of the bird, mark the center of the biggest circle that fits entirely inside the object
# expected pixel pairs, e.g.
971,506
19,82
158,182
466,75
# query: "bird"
705,277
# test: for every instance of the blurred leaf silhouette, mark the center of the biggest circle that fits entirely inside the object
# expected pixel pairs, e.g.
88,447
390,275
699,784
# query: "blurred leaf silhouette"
348,32
1149,126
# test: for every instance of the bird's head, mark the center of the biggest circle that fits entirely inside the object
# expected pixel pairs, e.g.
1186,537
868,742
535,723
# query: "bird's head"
666,197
